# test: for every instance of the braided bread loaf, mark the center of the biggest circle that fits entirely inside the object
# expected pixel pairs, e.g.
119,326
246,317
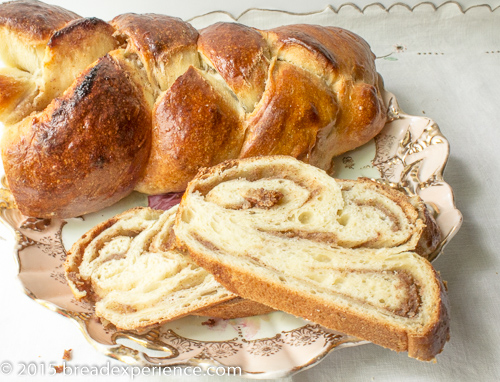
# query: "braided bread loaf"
128,267
94,110
339,253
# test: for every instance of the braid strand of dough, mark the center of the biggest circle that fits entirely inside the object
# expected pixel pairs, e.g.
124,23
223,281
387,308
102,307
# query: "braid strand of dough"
145,101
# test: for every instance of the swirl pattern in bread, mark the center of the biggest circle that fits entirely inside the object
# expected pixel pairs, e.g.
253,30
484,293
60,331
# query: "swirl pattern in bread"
129,269
94,110
339,253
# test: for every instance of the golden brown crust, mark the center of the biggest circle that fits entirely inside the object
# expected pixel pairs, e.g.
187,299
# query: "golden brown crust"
363,117
164,44
35,19
426,346
230,91
53,170
190,132
48,65
333,51
236,308
346,62
15,85
95,39
156,37
295,109
249,286
78,30
240,55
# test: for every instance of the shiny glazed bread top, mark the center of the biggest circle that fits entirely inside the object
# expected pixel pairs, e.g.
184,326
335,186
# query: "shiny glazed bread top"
94,110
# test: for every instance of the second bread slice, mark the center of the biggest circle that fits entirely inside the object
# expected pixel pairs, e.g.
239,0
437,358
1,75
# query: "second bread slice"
340,253
129,268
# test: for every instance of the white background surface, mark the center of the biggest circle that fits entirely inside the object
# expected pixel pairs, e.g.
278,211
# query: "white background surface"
449,71
187,9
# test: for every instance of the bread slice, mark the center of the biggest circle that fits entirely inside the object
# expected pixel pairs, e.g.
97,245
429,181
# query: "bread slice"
235,308
127,266
340,253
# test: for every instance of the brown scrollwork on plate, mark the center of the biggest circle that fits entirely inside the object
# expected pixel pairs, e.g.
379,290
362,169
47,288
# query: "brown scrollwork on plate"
266,347
222,349
305,335
401,151
35,224
183,345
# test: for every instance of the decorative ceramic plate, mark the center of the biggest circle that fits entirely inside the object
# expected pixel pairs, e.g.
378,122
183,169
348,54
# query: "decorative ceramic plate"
410,153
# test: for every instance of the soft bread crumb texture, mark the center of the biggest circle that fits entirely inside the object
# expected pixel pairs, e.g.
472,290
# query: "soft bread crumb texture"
345,248
134,278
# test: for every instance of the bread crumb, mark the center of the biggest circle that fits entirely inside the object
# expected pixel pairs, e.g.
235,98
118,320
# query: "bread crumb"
262,198
67,355
59,368
210,323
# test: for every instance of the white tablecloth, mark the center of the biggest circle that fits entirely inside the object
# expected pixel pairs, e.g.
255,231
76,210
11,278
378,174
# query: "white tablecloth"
441,62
